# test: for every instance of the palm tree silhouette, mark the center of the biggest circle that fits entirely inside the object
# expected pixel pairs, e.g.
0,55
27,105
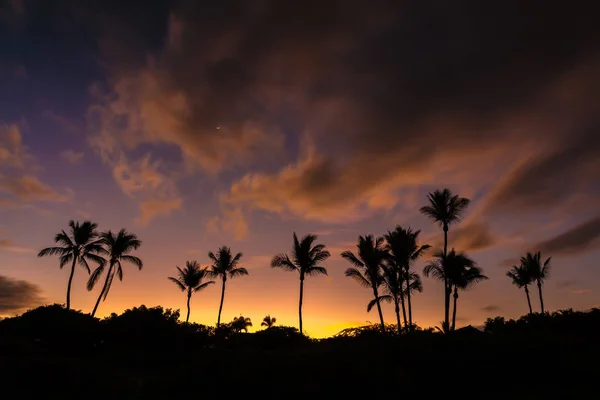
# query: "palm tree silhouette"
537,271
464,274
116,248
371,255
225,265
415,285
190,279
403,249
445,208
450,268
78,246
241,324
305,259
521,279
392,286
268,321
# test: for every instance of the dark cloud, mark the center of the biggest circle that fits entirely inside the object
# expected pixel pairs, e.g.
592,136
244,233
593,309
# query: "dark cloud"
490,308
579,239
17,295
384,95
472,236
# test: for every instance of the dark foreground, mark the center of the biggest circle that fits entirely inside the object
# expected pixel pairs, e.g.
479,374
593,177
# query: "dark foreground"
540,358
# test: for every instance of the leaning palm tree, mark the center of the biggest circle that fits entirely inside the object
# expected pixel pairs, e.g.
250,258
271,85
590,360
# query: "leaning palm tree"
268,321
117,248
367,269
191,279
537,270
78,246
225,266
521,279
305,259
241,324
465,274
445,208
403,249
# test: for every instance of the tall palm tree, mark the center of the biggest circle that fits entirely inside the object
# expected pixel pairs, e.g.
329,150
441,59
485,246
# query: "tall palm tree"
367,269
117,248
191,279
225,265
403,249
78,246
241,324
306,258
268,321
413,285
445,208
521,279
465,274
537,270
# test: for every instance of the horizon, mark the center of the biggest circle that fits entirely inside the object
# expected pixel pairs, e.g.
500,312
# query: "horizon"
197,126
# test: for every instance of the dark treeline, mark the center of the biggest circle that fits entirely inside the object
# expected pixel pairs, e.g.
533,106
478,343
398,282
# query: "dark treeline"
148,353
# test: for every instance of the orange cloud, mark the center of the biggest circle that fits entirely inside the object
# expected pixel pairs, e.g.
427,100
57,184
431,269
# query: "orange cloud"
152,208
71,156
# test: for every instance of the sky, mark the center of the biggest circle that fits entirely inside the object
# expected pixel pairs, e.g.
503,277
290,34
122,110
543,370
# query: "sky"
201,124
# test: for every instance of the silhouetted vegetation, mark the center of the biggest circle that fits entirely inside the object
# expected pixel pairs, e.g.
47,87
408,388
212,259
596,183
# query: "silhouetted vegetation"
148,353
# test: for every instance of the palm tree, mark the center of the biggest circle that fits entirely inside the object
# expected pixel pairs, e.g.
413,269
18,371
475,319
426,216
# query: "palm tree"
521,279
448,268
465,274
225,265
537,271
414,285
403,249
78,246
241,324
306,258
392,286
191,280
445,208
268,321
367,266
116,247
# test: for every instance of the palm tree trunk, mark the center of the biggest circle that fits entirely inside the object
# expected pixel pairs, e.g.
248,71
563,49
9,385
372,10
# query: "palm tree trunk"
447,289
539,283
397,309
70,281
408,300
189,296
403,308
103,288
376,294
300,301
454,310
528,300
221,305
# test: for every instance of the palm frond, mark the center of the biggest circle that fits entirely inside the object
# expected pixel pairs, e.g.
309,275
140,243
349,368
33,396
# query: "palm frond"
238,272
119,271
133,260
373,303
316,270
348,255
176,281
358,277
66,259
108,285
53,251
83,262
95,276
283,261
203,286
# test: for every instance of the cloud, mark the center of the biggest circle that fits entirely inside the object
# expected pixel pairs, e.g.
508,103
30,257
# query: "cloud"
71,126
8,245
17,169
470,236
579,291
231,220
565,283
152,208
17,295
581,238
71,156
490,308
334,123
